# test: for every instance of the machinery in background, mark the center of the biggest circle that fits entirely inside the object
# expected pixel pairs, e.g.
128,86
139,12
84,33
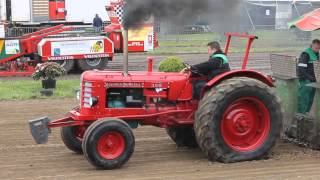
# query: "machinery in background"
19,56
141,39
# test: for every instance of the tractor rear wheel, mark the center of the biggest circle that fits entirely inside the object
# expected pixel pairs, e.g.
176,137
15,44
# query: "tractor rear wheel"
90,64
183,136
108,144
72,137
238,120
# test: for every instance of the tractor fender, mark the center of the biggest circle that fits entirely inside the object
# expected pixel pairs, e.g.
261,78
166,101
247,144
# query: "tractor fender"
238,73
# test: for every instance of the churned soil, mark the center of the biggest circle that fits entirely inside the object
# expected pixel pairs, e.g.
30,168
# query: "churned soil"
155,156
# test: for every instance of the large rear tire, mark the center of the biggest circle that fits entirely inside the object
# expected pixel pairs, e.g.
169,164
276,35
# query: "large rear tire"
66,64
238,120
183,136
90,64
108,144
72,137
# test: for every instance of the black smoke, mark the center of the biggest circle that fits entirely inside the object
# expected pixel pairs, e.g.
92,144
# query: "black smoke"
178,12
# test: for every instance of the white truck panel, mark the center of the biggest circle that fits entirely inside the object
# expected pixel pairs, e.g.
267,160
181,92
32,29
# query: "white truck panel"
3,11
20,10
85,10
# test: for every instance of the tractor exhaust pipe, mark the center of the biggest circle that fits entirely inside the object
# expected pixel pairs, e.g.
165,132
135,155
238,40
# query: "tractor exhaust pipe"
125,52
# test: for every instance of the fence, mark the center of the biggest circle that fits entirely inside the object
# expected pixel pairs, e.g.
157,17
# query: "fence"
78,29
193,38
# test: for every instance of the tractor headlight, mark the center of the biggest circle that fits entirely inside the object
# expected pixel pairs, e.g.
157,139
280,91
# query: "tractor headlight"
78,94
93,101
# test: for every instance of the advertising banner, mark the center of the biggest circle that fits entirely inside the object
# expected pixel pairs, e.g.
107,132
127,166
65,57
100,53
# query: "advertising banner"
12,47
65,48
141,39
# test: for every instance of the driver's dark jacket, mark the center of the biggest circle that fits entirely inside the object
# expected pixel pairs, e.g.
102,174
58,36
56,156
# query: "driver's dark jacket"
211,68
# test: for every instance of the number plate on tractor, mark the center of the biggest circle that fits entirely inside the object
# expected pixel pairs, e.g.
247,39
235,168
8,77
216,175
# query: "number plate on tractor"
39,129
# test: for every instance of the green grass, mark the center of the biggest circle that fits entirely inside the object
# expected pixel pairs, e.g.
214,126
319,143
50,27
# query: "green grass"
29,89
277,41
202,49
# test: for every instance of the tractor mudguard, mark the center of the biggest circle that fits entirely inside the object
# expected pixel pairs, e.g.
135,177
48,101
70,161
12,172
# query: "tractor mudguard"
40,130
239,73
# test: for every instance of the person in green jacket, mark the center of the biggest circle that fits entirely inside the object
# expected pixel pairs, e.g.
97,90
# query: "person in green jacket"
217,64
306,76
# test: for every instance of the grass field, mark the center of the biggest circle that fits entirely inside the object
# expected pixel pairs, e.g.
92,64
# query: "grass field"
269,41
29,89
275,41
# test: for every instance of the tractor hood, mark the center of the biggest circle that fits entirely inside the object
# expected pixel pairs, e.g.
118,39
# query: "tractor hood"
177,85
118,76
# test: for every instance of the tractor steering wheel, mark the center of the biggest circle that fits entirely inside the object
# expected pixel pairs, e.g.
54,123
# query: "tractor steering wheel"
192,69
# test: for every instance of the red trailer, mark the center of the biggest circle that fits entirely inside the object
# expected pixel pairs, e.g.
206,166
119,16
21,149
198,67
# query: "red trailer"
89,52
20,55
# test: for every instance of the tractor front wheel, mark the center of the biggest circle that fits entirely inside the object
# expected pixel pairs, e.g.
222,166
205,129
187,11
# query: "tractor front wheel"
108,144
238,120
183,136
72,137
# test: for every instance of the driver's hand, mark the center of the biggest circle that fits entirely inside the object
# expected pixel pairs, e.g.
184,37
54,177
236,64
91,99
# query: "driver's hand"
185,70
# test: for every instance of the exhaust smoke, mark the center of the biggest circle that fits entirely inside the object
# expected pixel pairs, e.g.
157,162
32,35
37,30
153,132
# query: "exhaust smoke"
222,13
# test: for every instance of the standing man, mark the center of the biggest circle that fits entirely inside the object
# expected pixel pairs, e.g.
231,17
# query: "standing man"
97,23
217,64
306,76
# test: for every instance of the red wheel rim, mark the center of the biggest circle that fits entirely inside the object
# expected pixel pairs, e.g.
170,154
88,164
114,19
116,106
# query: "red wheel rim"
246,124
111,145
79,131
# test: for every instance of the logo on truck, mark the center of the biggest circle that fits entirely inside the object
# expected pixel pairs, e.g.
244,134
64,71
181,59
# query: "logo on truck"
55,58
96,56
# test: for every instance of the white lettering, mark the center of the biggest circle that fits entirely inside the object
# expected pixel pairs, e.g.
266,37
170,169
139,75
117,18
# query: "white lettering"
96,56
60,58
136,44
302,65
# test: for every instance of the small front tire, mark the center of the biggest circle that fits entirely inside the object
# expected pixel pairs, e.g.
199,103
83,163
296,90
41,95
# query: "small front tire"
108,144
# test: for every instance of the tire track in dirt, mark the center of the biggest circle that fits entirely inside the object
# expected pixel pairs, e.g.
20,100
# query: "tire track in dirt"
155,157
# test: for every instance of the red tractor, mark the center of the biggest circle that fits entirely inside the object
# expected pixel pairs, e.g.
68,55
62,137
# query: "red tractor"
238,118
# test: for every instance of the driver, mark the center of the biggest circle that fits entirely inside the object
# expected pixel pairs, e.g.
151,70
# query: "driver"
217,64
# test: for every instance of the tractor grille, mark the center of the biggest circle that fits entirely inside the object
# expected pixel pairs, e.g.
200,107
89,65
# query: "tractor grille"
86,94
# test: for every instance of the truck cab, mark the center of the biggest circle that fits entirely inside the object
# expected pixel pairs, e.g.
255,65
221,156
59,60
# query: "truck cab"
57,10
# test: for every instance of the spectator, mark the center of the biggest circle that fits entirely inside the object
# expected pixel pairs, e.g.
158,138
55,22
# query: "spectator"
97,23
306,76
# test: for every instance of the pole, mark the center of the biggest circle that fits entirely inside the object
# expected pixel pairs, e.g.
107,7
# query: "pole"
125,52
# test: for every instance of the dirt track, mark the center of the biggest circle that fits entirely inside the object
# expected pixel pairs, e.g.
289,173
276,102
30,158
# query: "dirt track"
257,61
155,157
138,62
